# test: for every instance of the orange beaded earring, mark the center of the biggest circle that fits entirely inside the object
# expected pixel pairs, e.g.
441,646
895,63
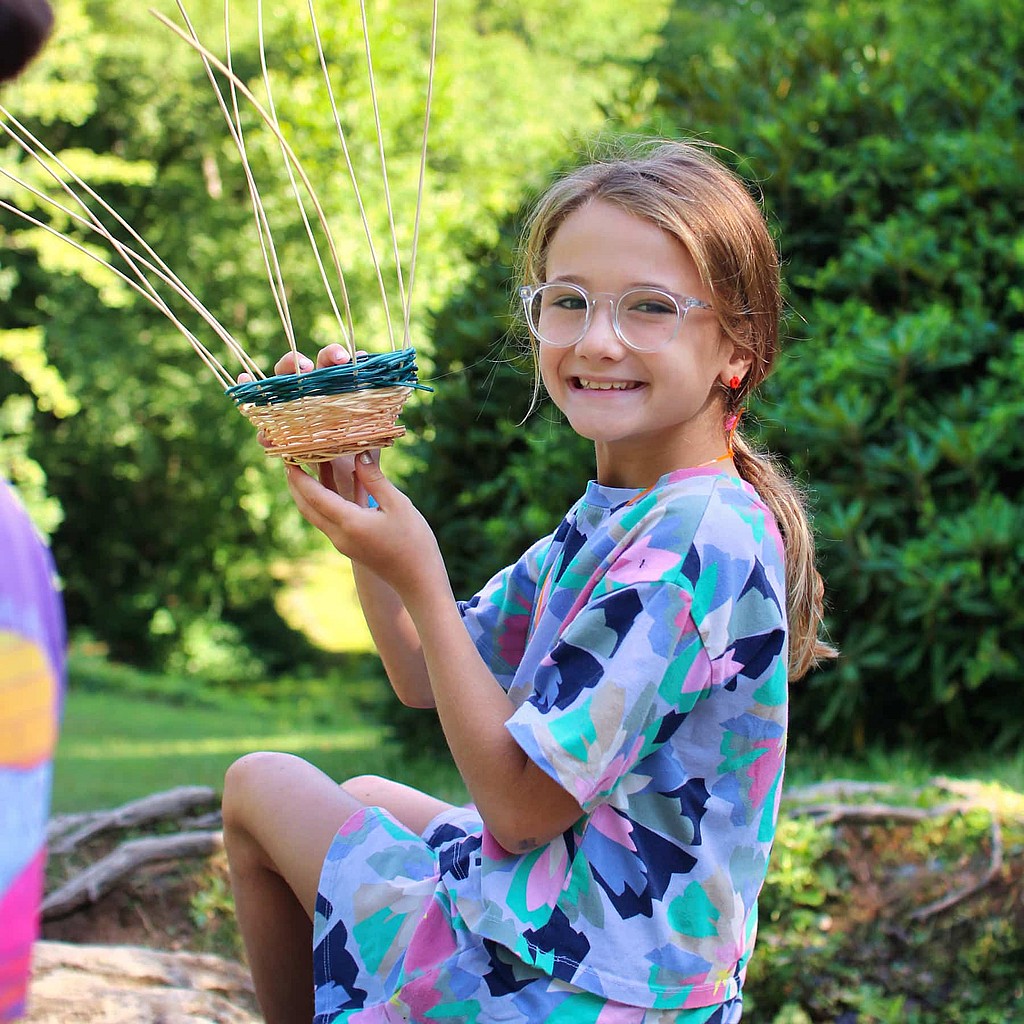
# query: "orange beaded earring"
733,419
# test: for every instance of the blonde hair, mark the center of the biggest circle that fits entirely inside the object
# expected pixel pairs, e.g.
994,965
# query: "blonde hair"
683,189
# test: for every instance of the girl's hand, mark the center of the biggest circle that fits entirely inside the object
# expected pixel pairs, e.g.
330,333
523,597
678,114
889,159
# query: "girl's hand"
338,474
393,540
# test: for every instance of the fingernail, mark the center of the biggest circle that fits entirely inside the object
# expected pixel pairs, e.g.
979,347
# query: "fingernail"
366,458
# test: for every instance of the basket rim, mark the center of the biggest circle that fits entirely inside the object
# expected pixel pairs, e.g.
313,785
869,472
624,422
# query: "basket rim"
366,372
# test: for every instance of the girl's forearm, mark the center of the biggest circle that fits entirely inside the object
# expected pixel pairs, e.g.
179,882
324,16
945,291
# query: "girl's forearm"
522,807
395,638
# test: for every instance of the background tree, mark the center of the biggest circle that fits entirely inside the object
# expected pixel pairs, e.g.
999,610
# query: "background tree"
170,511
889,159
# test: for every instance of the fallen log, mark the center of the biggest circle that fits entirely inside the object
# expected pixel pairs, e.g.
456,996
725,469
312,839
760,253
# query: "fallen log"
64,834
101,877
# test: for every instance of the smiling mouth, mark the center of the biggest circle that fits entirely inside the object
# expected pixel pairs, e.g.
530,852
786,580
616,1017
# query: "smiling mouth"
605,385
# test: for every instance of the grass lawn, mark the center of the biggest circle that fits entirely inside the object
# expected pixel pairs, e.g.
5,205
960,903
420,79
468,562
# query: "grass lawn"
127,734
114,747
130,738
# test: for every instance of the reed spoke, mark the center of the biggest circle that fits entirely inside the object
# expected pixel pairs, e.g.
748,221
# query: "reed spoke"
271,265
423,170
383,158
286,148
352,173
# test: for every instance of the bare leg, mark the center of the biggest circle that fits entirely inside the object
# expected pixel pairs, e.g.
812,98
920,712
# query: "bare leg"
413,808
280,816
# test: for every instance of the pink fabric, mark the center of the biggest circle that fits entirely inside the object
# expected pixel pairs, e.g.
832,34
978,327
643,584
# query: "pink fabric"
19,914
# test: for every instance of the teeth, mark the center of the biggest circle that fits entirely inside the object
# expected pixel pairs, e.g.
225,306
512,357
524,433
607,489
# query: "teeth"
605,385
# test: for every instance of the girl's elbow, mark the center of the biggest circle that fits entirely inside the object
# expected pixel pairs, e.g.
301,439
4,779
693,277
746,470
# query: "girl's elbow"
519,842
520,833
419,701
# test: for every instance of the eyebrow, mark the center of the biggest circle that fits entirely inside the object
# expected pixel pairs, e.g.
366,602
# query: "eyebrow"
571,279
581,281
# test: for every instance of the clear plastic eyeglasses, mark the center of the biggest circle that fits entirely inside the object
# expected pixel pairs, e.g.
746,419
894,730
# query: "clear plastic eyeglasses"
645,319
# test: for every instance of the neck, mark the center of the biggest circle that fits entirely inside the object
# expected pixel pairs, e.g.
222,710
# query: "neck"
616,469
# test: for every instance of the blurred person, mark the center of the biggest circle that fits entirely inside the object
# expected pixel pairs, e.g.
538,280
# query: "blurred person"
32,671
24,27
32,655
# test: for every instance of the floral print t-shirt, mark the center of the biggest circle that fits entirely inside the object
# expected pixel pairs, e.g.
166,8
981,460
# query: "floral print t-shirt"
644,645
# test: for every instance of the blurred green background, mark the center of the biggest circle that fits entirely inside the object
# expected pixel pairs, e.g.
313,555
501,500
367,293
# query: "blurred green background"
206,618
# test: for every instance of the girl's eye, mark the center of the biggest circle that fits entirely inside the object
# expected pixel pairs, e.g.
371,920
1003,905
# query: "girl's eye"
654,305
569,301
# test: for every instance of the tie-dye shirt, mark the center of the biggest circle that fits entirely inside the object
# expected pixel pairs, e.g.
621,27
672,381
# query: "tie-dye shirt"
31,689
644,645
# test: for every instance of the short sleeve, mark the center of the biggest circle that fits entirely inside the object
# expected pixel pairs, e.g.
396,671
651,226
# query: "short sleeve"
640,644
498,617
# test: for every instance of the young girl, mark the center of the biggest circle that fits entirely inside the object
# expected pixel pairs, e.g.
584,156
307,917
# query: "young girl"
615,701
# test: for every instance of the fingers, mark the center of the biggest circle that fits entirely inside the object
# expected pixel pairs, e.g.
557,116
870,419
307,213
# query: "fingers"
288,363
329,355
336,476
332,355
372,481
329,503
320,506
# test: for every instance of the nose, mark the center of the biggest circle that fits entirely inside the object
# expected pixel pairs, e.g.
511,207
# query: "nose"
600,341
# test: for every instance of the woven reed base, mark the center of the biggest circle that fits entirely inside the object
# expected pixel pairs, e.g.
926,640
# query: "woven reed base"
317,428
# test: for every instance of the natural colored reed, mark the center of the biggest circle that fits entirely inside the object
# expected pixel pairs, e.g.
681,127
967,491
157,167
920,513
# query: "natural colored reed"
302,417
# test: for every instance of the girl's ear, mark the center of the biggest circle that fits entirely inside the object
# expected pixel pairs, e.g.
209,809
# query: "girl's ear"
739,362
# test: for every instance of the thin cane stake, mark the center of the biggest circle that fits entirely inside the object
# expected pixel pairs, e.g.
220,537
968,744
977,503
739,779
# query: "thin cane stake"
165,271
222,375
352,174
271,265
383,159
97,225
423,169
285,147
295,189
270,260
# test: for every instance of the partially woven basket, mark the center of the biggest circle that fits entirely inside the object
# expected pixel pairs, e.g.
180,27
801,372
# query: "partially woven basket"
337,410
302,417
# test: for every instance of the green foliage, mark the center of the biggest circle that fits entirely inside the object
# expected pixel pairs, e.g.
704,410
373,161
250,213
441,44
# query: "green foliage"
211,911
109,424
843,936
889,159
889,156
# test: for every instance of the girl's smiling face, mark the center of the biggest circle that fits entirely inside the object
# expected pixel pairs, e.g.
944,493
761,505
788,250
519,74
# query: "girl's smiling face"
648,413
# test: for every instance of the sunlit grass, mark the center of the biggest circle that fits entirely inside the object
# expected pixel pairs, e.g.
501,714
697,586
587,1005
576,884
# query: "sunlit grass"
115,747
128,733
318,598
905,767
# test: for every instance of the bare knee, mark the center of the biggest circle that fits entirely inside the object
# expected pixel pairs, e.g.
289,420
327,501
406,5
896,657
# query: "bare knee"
367,789
244,783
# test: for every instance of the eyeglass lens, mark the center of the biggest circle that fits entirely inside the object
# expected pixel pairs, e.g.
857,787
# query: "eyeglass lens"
646,318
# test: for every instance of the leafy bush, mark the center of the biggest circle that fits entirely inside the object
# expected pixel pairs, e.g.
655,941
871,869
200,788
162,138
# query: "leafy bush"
891,162
889,156
849,931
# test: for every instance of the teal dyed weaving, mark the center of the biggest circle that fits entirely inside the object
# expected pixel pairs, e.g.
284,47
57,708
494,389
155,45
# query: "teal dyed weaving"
368,372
